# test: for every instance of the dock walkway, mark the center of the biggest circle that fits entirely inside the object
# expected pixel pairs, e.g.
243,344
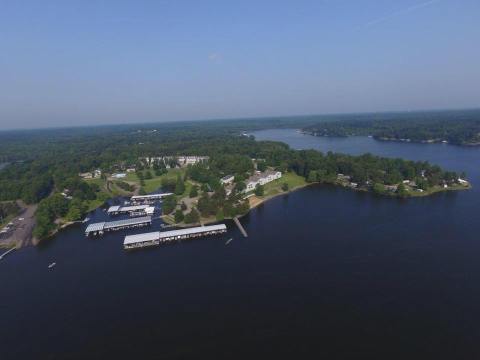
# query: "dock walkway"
7,252
242,230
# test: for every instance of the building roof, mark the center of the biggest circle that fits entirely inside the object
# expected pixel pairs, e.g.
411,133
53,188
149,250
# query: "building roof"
151,196
138,238
127,208
127,222
194,230
157,235
95,227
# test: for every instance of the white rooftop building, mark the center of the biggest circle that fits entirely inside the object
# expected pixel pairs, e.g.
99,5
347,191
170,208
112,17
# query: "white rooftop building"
262,179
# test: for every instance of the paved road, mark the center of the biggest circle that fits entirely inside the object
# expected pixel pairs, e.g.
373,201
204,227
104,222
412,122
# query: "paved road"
21,234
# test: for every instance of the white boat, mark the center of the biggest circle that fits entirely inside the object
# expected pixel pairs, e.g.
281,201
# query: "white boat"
228,241
85,220
52,265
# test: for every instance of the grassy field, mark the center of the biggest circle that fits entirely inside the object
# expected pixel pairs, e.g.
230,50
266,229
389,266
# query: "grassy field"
275,187
437,189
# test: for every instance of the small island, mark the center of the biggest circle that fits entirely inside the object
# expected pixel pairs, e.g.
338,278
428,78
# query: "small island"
213,170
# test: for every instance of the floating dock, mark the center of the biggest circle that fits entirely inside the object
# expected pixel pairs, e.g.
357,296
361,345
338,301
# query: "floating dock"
160,237
148,199
132,210
100,228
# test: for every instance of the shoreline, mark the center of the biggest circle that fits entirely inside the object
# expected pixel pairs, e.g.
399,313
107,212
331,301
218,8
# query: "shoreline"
385,139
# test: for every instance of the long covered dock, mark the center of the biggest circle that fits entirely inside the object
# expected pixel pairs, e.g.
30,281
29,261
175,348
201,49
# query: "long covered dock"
148,199
159,237
137,209
100,228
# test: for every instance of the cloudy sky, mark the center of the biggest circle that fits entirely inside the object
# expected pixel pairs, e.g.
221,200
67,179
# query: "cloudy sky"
68,63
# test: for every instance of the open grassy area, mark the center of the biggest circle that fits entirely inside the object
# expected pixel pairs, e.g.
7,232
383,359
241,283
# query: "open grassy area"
293,180
154,184
436,189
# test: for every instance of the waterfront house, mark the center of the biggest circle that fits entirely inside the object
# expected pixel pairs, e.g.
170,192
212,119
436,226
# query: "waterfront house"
227,179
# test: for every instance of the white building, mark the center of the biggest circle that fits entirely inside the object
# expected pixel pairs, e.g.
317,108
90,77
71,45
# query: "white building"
182,160
227,179
262,179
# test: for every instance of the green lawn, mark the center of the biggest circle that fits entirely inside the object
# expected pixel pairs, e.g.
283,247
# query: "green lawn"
293,180
154,184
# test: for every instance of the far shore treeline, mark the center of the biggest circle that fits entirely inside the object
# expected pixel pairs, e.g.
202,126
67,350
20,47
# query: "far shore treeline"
453,127
45,163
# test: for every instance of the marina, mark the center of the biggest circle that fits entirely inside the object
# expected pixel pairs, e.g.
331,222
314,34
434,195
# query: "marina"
159,237
102,227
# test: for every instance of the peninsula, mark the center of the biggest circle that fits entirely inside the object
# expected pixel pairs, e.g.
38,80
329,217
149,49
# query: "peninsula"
213,170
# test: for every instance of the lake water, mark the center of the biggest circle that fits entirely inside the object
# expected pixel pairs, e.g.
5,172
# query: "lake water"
325,273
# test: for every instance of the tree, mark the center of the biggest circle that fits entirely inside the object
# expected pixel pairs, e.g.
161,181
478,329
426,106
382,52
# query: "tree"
240,186
285,186
378,188
73,214
402,190
192,217
168,204
148,175
259,190
179,216
261,166
220,215
179,186
193,191
142,191
312,176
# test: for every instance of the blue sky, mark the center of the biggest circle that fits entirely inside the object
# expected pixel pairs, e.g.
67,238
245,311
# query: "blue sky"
96,62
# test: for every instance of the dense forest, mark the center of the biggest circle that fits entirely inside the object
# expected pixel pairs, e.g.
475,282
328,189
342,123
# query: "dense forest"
44,164
459,128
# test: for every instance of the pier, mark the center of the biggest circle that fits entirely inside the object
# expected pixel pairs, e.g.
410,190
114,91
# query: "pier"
240,227
137,210
7,252
148,199
160,237
100,228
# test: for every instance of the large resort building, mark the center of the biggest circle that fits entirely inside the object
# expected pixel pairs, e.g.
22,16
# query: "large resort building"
181,160
262,179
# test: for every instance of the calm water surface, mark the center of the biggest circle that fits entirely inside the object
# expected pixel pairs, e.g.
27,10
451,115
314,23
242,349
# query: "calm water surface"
325,272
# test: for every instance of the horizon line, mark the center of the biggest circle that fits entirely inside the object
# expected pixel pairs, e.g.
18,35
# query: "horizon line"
265,117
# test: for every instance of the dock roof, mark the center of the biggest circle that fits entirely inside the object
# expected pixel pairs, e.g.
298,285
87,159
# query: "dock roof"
113,224
158,235
138,238
126,222
126,208
194,230
95,227
151,196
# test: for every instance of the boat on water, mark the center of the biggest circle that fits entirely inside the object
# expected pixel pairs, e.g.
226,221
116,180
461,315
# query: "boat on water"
228,241
85,220
52,265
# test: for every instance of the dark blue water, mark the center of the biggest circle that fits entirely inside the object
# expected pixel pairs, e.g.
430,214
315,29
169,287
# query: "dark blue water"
325,273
